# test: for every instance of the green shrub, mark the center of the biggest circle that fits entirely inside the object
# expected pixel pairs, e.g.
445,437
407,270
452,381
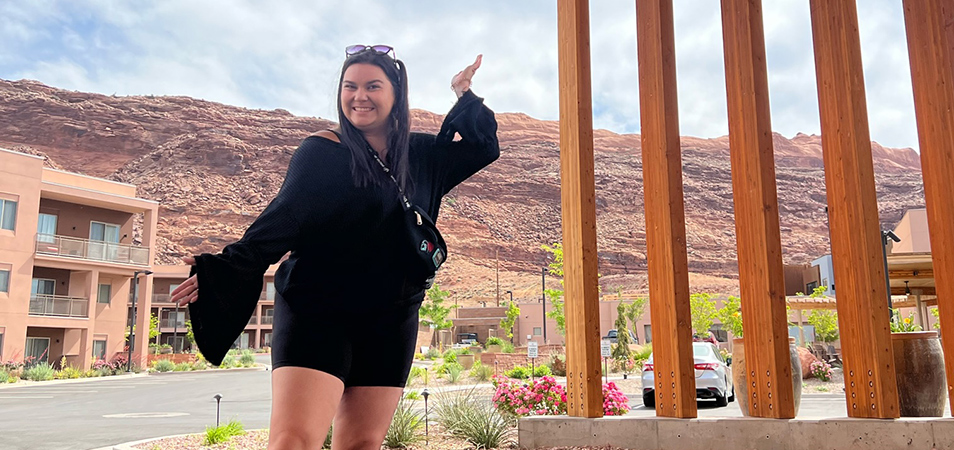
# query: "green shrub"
327,443
217,435
493,340
247,359
228,362
5,377
163,365
417,372
541,371
404,430
444,368
68,373
518,372
558,365
507,347
481,372
433,354
200,364
182,367
477,422
413,395
453,372
39,372
450,356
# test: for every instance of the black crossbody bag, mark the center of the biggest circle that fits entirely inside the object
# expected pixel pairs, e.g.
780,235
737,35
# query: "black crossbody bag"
425,245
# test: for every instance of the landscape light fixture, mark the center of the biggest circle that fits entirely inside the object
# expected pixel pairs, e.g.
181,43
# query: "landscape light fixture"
885,236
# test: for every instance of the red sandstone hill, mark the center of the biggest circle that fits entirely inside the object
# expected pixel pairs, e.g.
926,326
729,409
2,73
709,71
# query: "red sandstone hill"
213,168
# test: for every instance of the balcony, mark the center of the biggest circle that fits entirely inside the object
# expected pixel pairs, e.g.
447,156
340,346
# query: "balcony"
48,244
267,320
253,320
58,306
172,323
159,298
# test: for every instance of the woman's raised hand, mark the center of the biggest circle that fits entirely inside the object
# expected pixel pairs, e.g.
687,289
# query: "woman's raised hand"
463,80
188,291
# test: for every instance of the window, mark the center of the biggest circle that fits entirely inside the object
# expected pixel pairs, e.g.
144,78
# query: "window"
37,350
266,339
270,291
105,293
101,236
177,342
8,214
4,280
43,286
648,331
810,287
46,228
537,331
2,329
720,334
99,349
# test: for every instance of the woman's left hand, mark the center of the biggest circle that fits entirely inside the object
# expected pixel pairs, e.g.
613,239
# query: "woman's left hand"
462,81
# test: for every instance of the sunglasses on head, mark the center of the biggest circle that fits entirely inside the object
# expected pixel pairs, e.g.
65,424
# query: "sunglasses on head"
352,50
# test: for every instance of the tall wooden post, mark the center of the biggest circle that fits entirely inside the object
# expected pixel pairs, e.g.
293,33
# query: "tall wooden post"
761,278
870,384
930,30
578,192
675,388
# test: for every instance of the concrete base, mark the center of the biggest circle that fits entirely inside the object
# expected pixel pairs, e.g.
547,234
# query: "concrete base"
657,433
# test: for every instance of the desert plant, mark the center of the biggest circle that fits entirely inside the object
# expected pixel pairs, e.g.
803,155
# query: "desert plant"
825,323
182,367
518,372
731,316
821,370
621,349
200,364
453,372
405,426
68,372
937,317
478,423
228,362
39,372
903,324
417,372
163,365
247,359
432,354
507,347
558,365
493,340
217,435
413,395
481,372
542,371
443,369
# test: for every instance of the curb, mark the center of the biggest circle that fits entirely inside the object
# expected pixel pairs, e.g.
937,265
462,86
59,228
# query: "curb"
130,445
26,383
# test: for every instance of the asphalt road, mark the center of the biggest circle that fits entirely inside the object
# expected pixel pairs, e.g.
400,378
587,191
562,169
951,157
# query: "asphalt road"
106,411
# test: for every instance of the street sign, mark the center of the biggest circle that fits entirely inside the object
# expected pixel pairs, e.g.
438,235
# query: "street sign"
605,349
532,349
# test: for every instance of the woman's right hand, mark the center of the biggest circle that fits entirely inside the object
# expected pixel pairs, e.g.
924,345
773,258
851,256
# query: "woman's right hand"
188,291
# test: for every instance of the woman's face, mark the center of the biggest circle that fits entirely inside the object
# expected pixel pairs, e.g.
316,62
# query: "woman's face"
367,97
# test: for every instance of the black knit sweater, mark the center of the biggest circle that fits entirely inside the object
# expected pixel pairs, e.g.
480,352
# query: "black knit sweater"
344,240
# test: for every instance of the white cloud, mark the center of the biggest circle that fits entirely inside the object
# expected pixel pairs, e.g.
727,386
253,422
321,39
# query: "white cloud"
287,55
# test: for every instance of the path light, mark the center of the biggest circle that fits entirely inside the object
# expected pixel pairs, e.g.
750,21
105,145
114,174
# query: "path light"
218,403
425,394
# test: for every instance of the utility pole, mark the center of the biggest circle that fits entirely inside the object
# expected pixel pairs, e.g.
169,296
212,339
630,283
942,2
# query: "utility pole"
497,272
544,301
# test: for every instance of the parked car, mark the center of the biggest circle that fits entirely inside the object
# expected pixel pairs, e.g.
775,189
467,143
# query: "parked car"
467,338
613,337
713,376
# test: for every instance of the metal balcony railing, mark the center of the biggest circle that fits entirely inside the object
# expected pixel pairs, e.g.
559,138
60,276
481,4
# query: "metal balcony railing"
48,244
172,323
158,298
58,306
267,320
253,320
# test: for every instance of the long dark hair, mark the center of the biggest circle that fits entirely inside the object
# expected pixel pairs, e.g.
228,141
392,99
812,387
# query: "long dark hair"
363,167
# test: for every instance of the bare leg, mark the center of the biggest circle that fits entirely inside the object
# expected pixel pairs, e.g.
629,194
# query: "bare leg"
364,416
303,404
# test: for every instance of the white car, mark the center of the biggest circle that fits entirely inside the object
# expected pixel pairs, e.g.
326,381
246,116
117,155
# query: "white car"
713,376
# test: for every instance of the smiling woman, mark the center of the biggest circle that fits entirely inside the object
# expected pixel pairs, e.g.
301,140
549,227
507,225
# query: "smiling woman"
355,209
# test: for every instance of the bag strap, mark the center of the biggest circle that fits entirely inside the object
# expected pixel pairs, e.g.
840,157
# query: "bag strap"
404,200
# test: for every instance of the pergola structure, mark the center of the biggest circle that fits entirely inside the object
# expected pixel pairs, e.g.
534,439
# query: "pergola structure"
870,379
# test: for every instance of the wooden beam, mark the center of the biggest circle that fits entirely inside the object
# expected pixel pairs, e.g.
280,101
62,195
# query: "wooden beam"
871,388
910,274
578,192
758,237
931,53
675,388
903,291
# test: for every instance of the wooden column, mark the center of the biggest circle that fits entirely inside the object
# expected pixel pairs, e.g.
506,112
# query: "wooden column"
870,385
675,389
931,52
768,362
578,192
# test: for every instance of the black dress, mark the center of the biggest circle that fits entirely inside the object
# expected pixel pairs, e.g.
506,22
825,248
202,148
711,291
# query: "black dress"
344,306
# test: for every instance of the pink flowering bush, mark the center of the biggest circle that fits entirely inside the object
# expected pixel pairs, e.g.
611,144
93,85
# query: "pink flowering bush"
615,403
545,397
821,370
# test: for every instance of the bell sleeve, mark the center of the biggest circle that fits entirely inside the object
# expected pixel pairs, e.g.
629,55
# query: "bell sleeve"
230,283
477,147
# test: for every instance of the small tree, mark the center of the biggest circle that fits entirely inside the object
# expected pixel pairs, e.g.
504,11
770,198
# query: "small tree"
825,323
154,327
556,310
190,335
621,350
731,316
635,311
703,311
507,323
433,313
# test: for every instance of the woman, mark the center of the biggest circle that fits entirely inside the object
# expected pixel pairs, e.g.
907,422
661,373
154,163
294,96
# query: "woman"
346,316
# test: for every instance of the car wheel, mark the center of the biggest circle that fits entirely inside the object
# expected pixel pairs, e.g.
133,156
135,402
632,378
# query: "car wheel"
732,396
649,400
721,400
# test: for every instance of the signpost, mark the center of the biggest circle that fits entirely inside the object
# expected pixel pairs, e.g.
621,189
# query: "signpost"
532,353
605,351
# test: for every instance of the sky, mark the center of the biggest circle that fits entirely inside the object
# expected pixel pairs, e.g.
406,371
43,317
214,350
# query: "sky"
288,53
